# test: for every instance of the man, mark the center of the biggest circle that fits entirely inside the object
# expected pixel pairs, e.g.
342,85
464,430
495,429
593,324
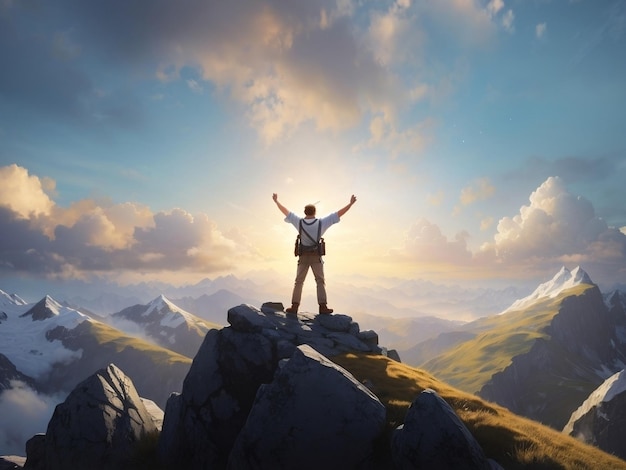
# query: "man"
311,227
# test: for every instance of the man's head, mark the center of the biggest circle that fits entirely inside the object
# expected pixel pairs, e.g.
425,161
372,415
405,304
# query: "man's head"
309,209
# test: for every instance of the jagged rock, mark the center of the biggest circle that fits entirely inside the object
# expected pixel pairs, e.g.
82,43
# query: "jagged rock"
202,423
433,436
96,427
601,419
9,373
314,414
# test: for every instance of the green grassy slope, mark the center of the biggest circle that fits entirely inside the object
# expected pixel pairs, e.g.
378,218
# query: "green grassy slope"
514,442
155,371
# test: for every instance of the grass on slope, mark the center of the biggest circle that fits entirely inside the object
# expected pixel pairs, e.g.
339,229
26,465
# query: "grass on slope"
471,364
108,336
514,442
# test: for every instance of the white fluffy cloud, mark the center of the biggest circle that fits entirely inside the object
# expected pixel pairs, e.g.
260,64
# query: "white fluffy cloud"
555,223
24,193
43,238
556,228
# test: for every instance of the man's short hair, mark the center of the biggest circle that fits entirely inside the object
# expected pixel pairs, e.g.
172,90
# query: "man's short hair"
309,209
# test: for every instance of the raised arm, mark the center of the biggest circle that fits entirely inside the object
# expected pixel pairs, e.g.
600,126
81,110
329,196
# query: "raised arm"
282,208
343,210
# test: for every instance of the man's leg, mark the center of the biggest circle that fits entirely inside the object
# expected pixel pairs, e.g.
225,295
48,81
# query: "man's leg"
318,271
301,272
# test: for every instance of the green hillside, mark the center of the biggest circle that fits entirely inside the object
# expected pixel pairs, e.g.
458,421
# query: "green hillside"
156,371
514,442
111,339
498,339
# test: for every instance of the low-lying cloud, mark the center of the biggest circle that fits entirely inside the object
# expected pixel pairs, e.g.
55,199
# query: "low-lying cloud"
24,413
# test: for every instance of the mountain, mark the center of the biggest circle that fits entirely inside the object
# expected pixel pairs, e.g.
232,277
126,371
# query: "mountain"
213,307
542,356
165,324
58,346
601,419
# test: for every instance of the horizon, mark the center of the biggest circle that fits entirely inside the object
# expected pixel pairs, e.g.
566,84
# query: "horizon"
483,140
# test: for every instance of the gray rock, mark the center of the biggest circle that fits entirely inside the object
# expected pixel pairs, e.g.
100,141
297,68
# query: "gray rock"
313,415
433,436
201,424
98,425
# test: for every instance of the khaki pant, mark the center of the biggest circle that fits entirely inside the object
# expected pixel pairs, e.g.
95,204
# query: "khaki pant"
306,261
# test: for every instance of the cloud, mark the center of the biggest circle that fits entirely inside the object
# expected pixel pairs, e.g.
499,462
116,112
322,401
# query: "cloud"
479,190
559,227
540,30
23,193
24,413
555,229
331,64
426,243
42,238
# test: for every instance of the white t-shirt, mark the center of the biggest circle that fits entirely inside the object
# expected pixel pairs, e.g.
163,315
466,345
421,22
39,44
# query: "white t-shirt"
310,225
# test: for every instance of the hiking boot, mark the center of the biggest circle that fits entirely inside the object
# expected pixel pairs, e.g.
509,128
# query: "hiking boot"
293,309
324,310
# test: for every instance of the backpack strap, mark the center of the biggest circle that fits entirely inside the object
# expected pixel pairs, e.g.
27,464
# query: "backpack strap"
319,231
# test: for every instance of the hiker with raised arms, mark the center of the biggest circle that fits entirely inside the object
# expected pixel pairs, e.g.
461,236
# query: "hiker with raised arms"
310,248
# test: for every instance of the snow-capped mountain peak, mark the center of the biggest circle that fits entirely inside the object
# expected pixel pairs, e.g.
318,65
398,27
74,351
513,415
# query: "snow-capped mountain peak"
562,280
10,300
24,340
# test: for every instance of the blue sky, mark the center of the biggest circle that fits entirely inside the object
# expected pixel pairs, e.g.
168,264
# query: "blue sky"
485,140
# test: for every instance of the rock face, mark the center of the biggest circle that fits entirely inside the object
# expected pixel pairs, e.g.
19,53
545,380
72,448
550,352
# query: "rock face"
96,427
433,436
203,422
9,373
601,419
312,408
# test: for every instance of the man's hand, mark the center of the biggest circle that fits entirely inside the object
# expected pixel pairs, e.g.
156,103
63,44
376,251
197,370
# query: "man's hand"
282,208
343,210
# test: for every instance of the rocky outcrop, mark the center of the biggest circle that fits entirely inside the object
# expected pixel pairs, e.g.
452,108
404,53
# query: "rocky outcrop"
601,419
96,427
433,436
312,408
202,422
259,394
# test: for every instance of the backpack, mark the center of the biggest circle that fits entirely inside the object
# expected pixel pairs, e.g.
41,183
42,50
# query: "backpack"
319,247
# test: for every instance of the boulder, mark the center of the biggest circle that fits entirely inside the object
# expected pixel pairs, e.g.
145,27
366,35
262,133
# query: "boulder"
202,423
314,414
433,436
96,427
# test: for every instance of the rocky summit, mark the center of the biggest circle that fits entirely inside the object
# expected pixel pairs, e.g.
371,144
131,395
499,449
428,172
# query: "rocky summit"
260,393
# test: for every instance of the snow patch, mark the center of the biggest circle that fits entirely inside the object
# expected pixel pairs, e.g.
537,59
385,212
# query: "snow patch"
608,390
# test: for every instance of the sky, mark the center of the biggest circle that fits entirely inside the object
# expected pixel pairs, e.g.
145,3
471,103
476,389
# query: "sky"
484,139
